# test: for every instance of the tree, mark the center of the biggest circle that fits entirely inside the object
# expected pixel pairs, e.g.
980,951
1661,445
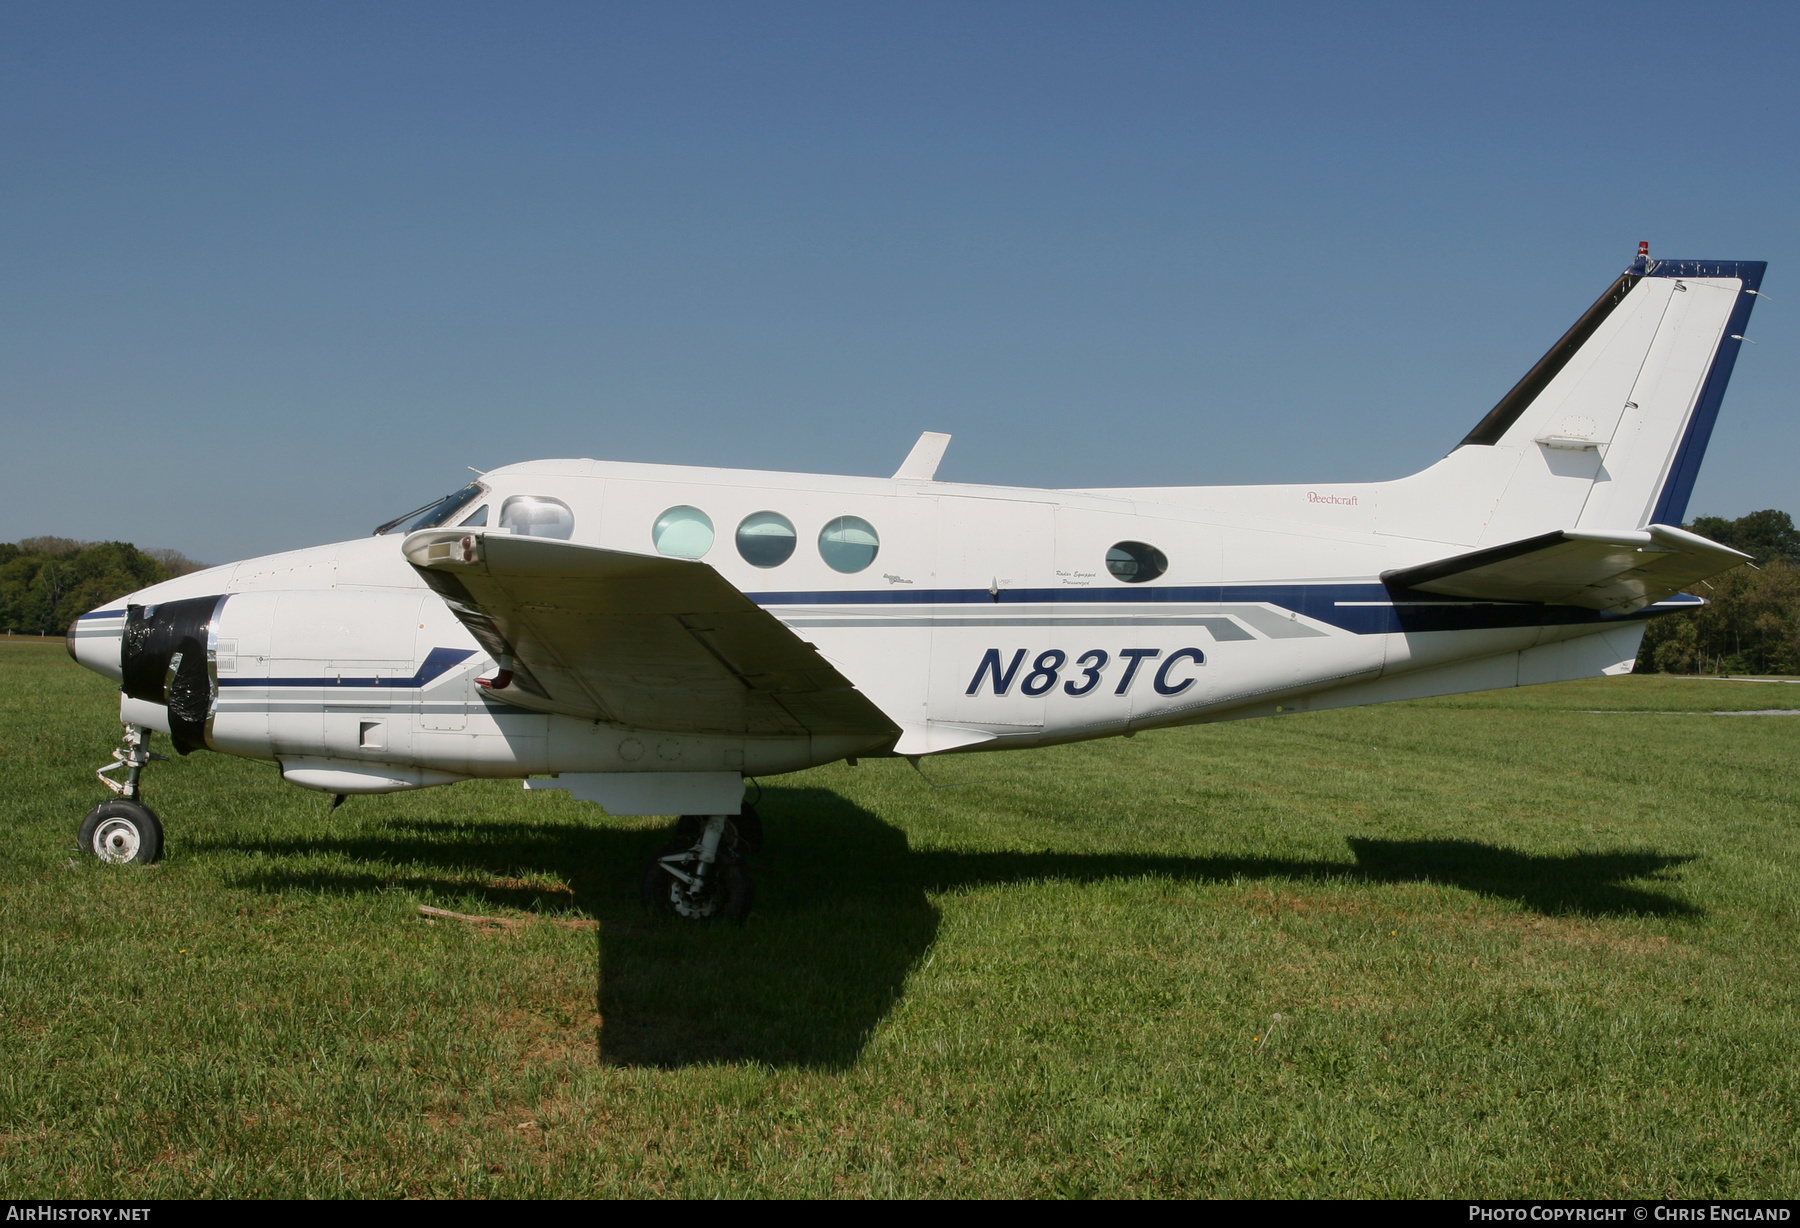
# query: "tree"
45,582
1763,535
1751,622
175,562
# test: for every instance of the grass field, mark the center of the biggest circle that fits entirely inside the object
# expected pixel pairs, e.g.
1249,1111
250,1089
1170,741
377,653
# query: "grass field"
1490,945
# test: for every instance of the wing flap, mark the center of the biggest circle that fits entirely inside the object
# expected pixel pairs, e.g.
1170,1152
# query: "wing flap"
1620,571
636,640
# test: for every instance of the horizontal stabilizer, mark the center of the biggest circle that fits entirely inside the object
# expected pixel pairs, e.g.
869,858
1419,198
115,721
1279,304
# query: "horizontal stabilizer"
1621,571
636,640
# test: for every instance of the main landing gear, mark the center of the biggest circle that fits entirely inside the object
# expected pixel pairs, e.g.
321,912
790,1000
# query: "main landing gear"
702,875
124,831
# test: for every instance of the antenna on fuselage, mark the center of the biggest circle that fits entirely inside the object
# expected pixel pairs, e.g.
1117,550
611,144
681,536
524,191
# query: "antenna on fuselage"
921,464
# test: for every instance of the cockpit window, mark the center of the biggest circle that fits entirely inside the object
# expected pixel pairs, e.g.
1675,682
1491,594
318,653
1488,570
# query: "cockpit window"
433,514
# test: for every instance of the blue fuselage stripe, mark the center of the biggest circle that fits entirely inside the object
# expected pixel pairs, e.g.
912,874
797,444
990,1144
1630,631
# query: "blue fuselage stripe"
1359,608
1363,609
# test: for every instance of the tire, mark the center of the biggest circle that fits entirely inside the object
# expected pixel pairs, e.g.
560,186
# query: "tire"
122,833
736,891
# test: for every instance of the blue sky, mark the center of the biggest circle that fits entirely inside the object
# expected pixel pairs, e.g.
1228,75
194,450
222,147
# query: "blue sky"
270,274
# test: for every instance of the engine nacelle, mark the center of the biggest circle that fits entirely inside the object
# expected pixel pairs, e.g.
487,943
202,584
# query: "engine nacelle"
295,674
164,664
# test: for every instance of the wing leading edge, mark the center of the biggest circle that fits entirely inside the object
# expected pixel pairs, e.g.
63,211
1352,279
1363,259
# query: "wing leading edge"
637,640
1620,571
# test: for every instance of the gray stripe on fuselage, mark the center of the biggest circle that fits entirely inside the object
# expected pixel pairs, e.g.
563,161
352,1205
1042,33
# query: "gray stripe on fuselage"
1222,629
1273,625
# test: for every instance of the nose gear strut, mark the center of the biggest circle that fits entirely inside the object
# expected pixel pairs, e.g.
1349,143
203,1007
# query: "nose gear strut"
134,756
124,831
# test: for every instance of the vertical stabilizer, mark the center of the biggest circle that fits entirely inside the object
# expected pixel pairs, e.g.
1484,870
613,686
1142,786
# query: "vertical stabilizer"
1607,430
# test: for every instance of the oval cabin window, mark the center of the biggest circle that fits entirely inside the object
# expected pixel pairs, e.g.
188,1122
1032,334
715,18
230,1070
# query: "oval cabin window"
848,544
537,516
682,533
766,539
1136,562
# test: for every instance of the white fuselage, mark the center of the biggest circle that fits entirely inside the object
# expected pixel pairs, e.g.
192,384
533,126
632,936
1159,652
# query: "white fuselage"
988,619
960,617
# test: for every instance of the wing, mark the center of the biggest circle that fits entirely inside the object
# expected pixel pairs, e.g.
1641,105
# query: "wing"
637,640
1621,571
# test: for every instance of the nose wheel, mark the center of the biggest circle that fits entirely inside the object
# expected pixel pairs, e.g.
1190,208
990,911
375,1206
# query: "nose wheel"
122,832
702,875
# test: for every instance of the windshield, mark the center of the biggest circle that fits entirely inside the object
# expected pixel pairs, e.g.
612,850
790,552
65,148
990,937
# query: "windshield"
433,514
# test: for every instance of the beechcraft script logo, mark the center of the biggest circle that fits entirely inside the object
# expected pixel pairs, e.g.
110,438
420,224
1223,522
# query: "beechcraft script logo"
1171,675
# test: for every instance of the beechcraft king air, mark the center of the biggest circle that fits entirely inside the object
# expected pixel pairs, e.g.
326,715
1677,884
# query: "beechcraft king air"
648,636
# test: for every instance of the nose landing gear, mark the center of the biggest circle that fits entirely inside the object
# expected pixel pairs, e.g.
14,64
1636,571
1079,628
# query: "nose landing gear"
124,831
702,876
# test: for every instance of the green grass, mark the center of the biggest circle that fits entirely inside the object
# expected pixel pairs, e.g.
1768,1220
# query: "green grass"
1488,945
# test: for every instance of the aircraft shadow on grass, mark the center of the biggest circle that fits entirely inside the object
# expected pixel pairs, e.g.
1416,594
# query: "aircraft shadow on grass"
844,911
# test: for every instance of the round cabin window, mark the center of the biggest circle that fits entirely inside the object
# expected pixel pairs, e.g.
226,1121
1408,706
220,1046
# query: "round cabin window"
683,533
766,539
1135,562
848,544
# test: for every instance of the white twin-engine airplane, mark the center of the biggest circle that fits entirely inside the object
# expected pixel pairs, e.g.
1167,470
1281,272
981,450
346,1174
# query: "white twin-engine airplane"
647,636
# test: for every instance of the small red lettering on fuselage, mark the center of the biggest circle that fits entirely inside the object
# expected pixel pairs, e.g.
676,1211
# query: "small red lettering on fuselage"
1313,496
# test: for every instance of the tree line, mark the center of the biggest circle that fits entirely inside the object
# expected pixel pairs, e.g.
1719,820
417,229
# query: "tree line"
45,582
1751,624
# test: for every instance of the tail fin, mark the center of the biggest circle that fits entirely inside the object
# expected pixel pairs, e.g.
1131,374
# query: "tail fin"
1608,429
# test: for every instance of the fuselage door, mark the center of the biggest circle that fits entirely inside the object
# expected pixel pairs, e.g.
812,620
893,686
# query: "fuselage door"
994,563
